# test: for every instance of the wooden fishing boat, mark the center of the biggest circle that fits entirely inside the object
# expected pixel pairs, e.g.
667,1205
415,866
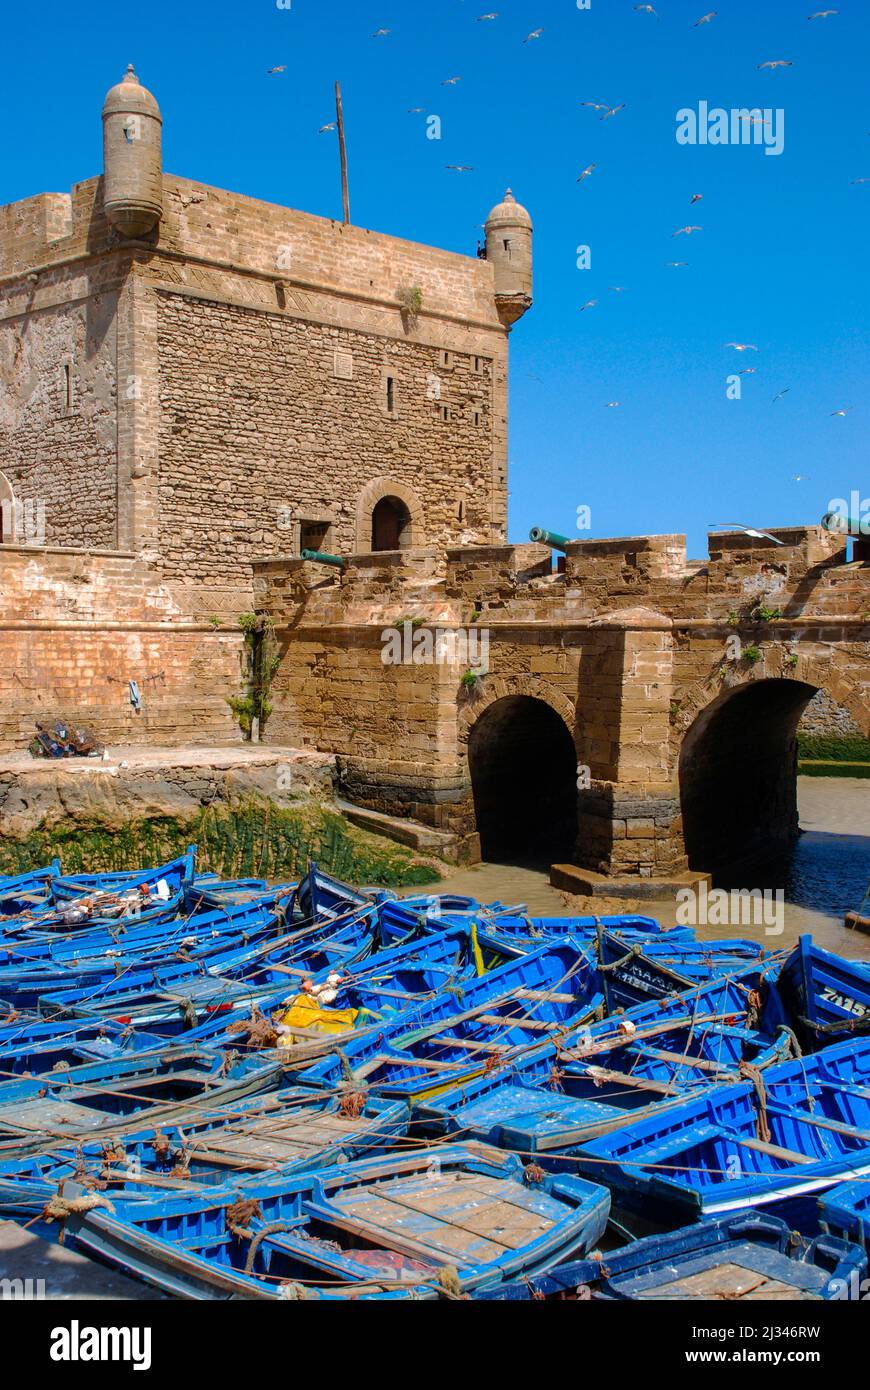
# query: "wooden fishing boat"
144,996
553,1099
21,893
289,1130
137,1088
531,1001
734,1259
512,934
436,1222
773,1142
828,995
177,873
634,969
845,1211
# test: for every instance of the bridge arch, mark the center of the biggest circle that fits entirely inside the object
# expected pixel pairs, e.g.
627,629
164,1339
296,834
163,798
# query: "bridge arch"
523,769
737,762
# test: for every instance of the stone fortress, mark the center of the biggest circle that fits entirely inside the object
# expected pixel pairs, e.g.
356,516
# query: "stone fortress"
197,387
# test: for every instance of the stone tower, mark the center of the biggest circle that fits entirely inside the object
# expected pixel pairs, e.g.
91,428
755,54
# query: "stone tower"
509,249
132,158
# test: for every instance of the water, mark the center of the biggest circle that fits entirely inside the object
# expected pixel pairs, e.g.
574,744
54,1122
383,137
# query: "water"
825,875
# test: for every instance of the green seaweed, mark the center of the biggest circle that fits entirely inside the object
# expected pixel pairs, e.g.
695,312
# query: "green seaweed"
250,839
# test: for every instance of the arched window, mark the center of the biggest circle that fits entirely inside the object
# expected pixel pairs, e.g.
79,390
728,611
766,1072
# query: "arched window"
7,511
391,524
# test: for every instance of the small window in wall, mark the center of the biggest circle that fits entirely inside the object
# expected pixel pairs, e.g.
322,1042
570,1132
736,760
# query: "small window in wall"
477,364
7,512
478,419
67,388
445,360
507,247
391,395
314,535
391,525
446,412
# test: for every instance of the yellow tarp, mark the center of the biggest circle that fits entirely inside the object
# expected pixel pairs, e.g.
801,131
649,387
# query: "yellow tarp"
306,1012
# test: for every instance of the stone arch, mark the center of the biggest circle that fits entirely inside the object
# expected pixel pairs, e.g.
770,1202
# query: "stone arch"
380,490
7,510
737,767
495,688
522,768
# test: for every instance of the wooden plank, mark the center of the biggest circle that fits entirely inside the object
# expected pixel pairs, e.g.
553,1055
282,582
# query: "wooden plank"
544,996
788,1155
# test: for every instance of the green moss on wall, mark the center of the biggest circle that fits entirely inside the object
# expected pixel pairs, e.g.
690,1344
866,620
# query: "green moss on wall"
251,840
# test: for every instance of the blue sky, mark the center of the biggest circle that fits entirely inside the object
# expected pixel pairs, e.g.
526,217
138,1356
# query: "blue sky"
781,263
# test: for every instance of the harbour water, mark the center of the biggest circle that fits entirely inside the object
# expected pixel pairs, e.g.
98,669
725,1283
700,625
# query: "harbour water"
825,875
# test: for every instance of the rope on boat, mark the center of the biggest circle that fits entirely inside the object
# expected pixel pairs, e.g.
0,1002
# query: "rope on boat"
272,1228
749,1072
60,1209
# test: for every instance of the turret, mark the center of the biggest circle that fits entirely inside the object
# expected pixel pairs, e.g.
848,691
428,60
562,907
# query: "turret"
132,158
509,250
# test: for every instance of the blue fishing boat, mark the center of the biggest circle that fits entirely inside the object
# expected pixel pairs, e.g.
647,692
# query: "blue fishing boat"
142,996
176,874
137,1088
440,1222
845,1211
23,892
529,1002
828,995
31,1045
636,968
734,1259
775,1141
289,1130
83,903
549,1101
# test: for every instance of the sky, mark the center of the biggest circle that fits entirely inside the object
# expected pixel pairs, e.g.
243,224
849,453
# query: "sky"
781,262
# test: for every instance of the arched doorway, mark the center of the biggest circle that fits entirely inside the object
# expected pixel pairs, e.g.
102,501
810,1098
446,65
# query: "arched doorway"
391,524
524,780
738,777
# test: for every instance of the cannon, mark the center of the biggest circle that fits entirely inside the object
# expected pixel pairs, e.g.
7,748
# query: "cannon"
550,538
322,558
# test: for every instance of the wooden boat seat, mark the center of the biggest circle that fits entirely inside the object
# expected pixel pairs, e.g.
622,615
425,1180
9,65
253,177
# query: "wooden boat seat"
835,1126
775,1151
544,996
501,1021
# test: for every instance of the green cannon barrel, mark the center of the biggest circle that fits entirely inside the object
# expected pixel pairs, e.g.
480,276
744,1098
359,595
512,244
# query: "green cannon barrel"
550,538
845,525
321,557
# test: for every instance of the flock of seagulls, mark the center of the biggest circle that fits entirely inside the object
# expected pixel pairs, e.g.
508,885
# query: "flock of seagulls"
605,112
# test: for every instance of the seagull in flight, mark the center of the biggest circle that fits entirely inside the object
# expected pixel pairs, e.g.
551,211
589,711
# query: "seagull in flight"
617,289
686,231
596,105
282,68
590,304
840,412
612,405
696,198
461,168
822,14
780,394
776,63
676,264
451,81
586,172
742,347
612,110
861,180
416,110
381,33
324,128
747,530
535,34
705,19
646,9
482,17
747,371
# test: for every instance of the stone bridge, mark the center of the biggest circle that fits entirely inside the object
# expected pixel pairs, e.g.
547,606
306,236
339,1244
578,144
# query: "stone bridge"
639,711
